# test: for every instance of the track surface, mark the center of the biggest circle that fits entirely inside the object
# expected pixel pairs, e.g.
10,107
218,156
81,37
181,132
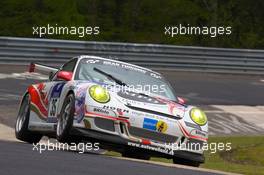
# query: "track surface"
20,158
210,89
198,88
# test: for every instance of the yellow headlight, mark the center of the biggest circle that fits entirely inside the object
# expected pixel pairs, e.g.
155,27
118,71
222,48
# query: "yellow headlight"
198,116
99,94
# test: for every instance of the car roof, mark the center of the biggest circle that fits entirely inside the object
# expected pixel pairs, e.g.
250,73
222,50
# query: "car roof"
101,58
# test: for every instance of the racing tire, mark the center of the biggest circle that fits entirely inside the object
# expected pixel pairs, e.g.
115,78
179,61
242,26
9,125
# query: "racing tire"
65,120
131,154
21,127
181,161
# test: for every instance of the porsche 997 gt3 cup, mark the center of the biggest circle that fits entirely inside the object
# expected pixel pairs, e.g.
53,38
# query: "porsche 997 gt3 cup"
127,108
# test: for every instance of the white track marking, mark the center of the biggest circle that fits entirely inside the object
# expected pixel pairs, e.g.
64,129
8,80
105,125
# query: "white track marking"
23,76
251,114
7,133
237,120
8,96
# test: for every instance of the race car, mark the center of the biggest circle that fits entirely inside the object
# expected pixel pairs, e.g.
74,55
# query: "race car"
125,107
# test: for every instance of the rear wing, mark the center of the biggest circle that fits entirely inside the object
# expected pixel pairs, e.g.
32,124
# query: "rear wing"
34,67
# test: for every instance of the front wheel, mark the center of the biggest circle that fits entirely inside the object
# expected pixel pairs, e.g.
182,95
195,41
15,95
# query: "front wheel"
21,128
185,162
65,119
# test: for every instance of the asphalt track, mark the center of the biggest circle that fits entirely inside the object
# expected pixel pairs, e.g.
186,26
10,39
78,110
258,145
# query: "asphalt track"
220,89
19,158
198,88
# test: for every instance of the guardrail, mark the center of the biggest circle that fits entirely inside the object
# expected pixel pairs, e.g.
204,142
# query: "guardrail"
204,59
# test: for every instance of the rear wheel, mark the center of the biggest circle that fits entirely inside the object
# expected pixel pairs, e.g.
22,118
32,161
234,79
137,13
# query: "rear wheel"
21,128
185,162
65,119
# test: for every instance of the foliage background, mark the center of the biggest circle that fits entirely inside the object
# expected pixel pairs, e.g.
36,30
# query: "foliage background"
140,21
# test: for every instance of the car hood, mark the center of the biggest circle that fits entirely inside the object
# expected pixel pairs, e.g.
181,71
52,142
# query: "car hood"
150,104
139,102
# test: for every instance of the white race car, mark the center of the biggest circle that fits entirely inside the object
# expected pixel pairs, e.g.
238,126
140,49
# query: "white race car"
126,108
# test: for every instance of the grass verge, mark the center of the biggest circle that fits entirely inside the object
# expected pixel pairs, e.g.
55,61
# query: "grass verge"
246,155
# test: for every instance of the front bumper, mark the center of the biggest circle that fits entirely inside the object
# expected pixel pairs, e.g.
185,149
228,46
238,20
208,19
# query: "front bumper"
118,132
120,144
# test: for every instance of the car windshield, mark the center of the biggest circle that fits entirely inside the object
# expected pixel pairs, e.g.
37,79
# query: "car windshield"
113,73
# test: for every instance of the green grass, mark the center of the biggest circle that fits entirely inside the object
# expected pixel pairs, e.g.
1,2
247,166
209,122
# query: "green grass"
246,155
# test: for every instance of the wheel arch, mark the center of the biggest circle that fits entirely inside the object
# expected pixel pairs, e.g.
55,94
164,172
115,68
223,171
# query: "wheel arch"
23,97
21,101
70,91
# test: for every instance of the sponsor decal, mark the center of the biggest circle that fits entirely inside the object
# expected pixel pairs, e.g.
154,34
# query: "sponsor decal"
136,113
53,108
79,103
192,125
122,66
92,61
131,102
150,124
56,91
161,126
155,75
119,110
152,148
100,110
54,101
139,97
141,114
94,110
191,134
155,125
111,63
196,132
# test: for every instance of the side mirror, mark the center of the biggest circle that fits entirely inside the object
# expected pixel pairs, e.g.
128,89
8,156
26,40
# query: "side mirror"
64,75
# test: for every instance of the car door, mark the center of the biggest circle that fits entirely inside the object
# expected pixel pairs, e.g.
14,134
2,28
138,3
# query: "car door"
54,90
